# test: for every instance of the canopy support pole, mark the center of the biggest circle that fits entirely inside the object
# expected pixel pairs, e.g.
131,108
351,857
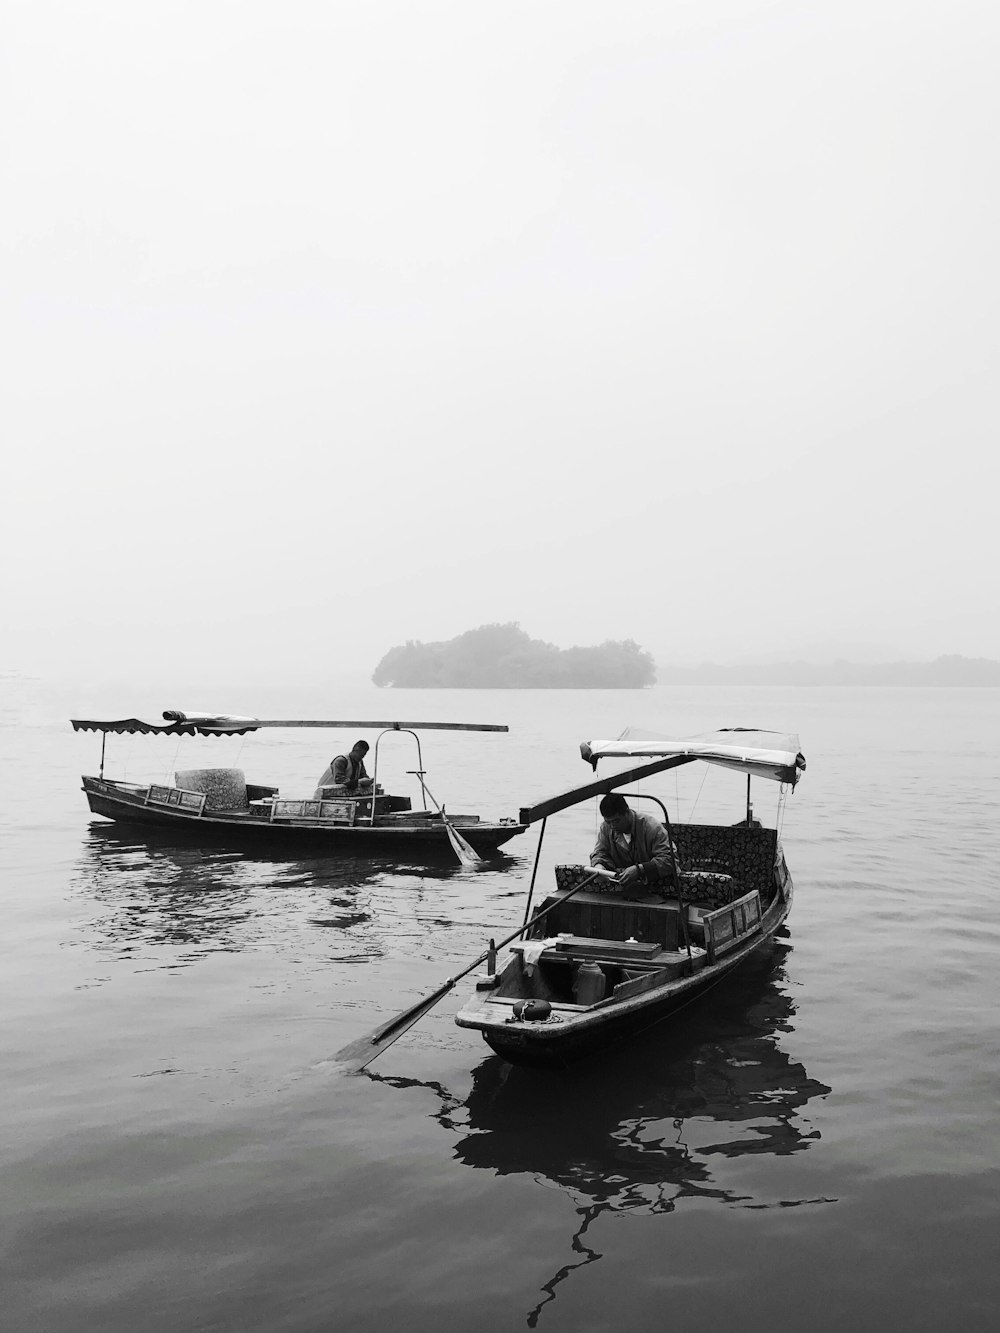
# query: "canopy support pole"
419,770
104,740
682,907
531,887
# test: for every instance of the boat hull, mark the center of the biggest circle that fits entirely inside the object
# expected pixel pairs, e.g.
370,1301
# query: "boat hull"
571,1036
412,840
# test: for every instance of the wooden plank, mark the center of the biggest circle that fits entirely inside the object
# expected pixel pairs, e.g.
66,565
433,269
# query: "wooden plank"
376,726
613,950
661,977
608,917
530,814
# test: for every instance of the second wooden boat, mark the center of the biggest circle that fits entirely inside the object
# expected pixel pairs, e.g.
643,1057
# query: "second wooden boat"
602,962
219,805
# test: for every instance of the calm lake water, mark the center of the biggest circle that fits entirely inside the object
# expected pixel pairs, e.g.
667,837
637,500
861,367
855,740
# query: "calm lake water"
814,1148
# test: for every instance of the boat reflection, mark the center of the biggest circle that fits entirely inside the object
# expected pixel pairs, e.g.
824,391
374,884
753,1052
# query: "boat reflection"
161,893
644,1128
151,891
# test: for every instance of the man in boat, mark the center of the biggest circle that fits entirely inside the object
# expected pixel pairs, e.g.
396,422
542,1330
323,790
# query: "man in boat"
348,770
634,845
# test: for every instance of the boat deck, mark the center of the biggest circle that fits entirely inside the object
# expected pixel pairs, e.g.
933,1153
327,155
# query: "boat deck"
602,965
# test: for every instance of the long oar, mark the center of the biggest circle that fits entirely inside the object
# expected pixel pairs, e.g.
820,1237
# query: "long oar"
363,1051
465,852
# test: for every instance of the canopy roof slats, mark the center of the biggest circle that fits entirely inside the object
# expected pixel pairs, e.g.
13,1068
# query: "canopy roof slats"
767,754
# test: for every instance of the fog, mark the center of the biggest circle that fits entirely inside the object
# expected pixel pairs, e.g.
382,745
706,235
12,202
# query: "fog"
331,325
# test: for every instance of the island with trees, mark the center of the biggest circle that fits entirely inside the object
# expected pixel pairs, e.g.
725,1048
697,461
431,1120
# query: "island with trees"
506,657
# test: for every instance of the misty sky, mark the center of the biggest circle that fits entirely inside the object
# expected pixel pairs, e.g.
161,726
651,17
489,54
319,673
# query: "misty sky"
328,325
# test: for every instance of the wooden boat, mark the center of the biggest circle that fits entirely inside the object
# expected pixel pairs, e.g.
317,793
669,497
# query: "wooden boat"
211,805
598,966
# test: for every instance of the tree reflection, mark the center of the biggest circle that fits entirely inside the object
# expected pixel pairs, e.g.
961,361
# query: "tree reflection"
641,1128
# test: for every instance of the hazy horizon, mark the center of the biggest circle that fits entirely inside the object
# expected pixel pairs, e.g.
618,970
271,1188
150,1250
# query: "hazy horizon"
336,325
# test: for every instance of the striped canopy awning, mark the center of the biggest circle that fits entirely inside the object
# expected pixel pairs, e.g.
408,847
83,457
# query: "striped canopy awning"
177,724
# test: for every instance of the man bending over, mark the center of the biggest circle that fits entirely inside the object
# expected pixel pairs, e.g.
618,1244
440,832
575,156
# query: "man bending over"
347,770
634,845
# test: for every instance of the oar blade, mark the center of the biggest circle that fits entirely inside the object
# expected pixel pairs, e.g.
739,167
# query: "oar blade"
363,1050
465,852
463,849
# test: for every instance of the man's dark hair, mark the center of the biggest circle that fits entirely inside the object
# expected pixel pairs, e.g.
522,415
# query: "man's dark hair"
361,745
614,804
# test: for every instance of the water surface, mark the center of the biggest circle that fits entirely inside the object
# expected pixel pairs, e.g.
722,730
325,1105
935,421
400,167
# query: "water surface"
815,1148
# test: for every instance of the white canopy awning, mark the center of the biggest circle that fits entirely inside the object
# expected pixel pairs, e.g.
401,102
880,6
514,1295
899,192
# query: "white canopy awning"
767,754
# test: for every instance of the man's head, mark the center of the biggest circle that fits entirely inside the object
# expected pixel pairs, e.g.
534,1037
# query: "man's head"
359,749
616,812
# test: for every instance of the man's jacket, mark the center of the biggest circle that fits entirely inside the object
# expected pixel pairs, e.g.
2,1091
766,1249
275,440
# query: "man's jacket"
341,772
649,849
348,770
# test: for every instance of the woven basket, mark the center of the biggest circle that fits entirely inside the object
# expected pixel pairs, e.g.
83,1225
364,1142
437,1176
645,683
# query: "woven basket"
224,788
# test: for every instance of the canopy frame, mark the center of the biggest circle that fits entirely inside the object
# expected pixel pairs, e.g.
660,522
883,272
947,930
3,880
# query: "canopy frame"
781,765
600,787
181,725
772,755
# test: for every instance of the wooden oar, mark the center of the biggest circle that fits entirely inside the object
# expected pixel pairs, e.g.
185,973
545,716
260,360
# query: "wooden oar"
361,1052
464,850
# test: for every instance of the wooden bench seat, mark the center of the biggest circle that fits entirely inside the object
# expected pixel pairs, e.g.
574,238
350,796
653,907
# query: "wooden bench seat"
584,948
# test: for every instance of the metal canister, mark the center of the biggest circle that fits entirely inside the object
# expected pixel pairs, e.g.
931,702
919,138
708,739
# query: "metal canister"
590,984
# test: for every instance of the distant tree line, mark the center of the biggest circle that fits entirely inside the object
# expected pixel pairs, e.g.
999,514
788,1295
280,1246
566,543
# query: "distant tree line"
505,657
953,670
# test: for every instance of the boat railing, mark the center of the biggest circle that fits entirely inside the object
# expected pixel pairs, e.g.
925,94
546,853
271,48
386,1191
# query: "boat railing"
729,926
341,812
177,798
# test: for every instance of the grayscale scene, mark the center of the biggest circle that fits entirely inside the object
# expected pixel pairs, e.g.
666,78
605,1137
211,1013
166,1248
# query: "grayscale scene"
500,672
